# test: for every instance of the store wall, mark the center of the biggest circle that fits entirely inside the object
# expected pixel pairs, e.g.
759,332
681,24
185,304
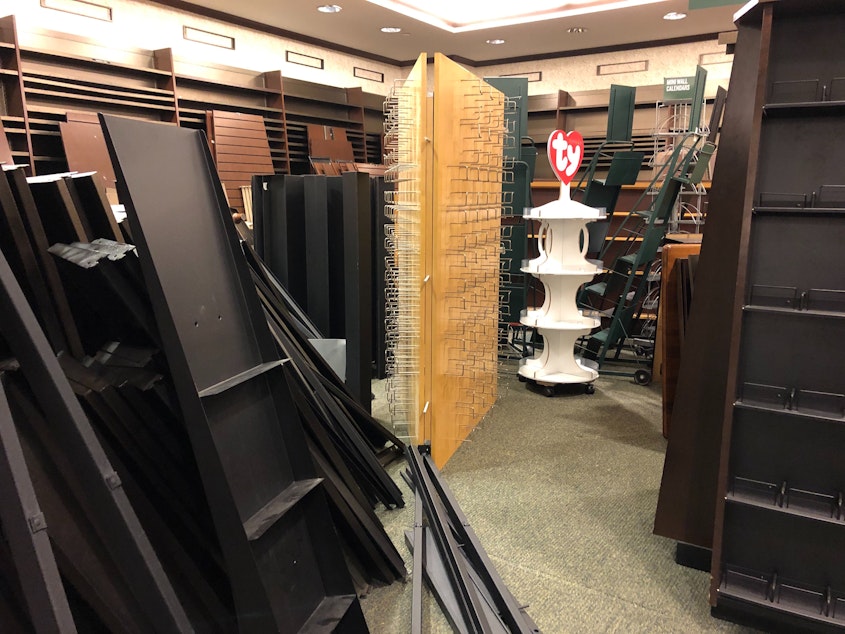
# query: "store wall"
148,26
582,72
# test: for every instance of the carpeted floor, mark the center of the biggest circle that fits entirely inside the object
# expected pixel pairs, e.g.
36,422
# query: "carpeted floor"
562,493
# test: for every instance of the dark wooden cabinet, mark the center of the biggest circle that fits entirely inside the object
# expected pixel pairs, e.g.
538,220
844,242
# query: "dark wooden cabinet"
779,538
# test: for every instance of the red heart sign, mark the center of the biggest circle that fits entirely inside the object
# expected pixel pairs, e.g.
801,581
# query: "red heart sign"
565,150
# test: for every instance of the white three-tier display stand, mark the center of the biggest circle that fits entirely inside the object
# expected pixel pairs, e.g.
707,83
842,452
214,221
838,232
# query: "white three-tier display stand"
562,267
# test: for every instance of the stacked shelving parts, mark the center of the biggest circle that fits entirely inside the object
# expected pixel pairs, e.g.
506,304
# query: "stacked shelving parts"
443,273
562,268
779,540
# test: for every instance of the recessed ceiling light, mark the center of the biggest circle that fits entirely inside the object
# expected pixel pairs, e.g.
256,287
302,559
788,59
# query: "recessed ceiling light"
330,8
576,29
391,29
495,41
674,15
473,15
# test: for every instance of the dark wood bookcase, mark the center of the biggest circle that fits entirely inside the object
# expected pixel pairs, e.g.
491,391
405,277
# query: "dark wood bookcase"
779,534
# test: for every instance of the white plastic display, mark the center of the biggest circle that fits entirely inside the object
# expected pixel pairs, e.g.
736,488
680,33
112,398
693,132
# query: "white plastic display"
562,267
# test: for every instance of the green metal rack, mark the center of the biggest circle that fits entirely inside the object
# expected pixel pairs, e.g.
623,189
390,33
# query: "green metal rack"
626,282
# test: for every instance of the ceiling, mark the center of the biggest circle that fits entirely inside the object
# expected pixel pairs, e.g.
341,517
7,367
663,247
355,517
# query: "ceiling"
357,27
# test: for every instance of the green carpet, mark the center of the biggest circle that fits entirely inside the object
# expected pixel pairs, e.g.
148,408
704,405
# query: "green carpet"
562,493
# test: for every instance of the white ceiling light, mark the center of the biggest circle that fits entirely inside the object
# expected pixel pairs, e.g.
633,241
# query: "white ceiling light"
472,15
576,29
330,8
674,15
495,41
391,29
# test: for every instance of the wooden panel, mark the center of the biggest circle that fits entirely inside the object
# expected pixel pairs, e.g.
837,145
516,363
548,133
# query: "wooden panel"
686,505
668,325
5,150
85,147
329,142
465,219
240,149
243,142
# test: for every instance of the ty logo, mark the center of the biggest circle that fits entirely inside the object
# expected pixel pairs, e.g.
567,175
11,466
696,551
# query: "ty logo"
565,150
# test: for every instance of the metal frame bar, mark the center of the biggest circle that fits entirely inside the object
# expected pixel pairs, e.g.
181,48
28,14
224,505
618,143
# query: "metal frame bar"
25,528
469,603
96,484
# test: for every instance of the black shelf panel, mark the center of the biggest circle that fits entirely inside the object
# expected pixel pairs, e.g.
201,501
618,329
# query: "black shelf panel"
756,407
793,401
802,211
821,605
805,108
774,310
782,498
789,299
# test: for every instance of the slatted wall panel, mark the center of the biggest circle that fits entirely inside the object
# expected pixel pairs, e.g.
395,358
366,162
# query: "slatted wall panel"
240,149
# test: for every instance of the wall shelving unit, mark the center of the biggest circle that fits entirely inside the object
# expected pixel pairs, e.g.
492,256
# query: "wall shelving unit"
55,73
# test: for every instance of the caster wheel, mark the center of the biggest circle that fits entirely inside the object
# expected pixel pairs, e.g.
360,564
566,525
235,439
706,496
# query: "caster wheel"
642,377
589,388
521,378
547,391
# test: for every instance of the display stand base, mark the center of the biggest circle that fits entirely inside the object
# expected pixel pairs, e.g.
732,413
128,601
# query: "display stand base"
554,389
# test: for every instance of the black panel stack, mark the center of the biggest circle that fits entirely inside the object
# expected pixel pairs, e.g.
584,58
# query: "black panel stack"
779,542
315,234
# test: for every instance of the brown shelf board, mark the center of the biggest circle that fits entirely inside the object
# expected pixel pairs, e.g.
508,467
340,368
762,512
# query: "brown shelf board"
7,45
9,72
11,118
52,124
101,100
91,62
222,85
19,153
75,84
91,91
322,100
209,105
305,118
